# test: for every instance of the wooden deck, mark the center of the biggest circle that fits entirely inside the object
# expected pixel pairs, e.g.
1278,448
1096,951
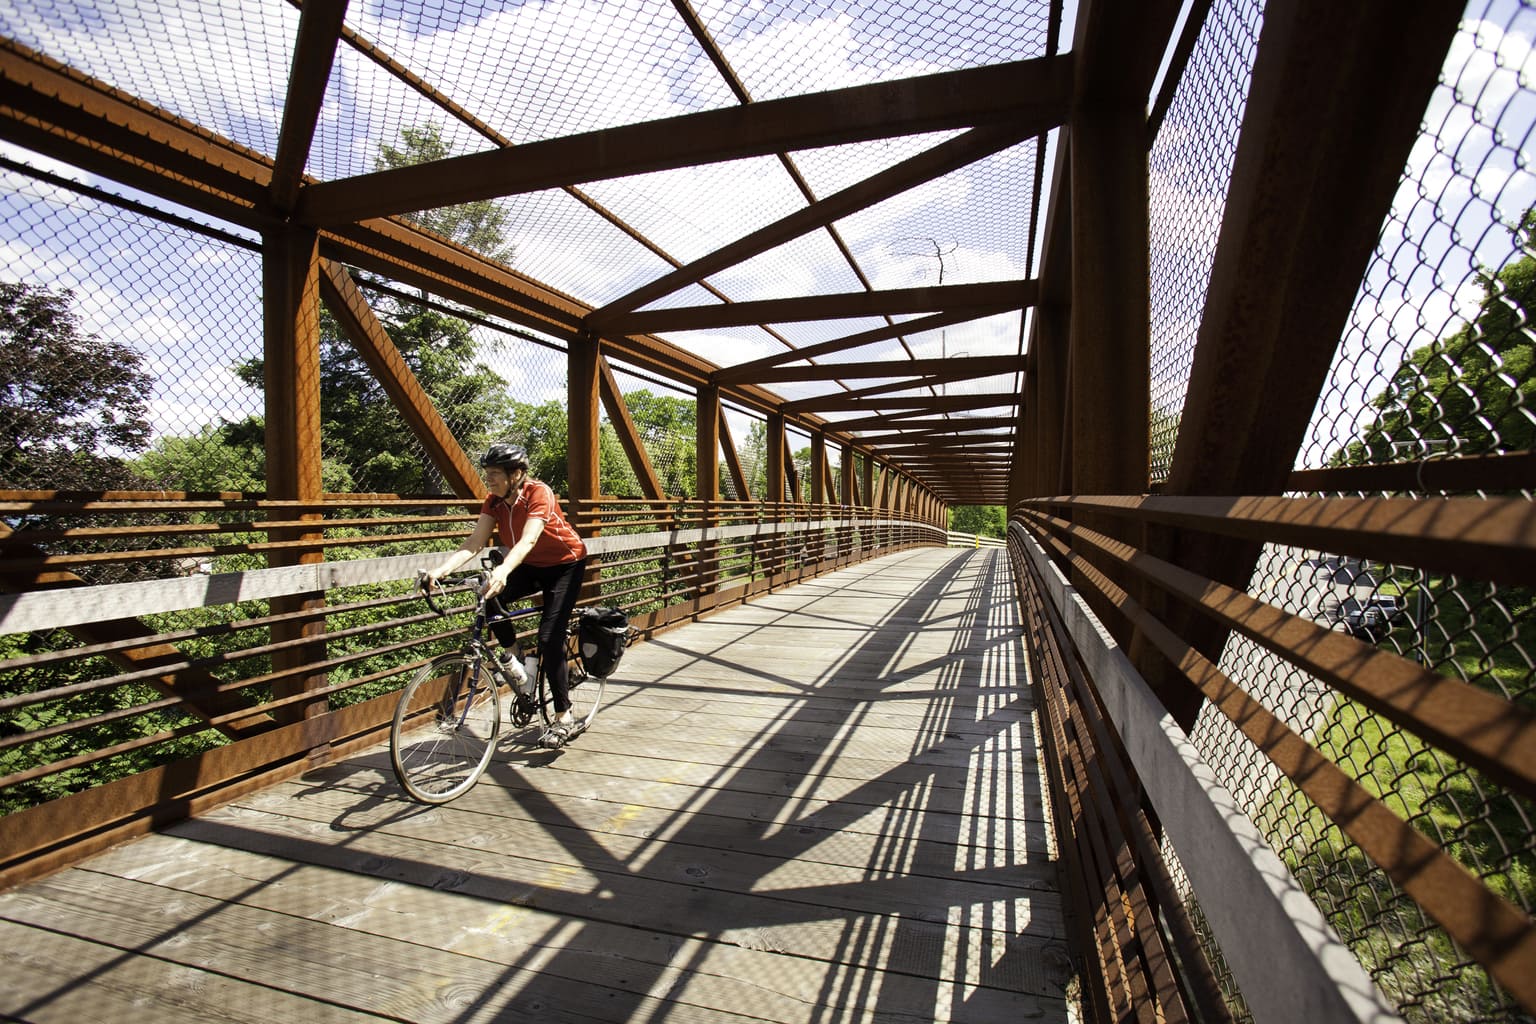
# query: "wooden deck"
823,806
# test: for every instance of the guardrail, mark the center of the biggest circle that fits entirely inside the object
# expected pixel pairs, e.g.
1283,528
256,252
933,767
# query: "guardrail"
1251,786
154,667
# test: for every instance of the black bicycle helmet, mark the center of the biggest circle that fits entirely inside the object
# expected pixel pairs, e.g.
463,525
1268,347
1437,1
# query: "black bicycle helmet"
504,455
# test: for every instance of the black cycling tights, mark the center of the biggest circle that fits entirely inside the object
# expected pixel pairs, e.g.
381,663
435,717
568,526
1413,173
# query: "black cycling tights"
559,585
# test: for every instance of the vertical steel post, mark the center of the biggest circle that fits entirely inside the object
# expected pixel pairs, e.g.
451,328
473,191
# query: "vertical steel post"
291,363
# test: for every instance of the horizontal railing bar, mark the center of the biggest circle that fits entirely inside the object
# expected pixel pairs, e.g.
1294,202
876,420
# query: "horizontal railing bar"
1486,731
226,658
47,609
220,550
25,537
1498,934
1500,472
1492,539
96,756
1279,946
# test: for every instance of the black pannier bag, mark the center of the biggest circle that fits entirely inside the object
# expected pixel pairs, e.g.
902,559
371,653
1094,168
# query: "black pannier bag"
603,633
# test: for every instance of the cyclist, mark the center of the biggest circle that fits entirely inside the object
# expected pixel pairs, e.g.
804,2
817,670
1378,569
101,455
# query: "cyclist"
546,556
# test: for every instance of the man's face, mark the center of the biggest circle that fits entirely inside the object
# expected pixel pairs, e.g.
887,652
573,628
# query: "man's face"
500,482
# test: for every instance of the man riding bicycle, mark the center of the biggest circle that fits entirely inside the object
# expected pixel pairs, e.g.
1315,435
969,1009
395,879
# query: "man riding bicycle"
547,556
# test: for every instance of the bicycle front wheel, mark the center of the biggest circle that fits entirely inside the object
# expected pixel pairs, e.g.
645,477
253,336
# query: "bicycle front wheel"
445,728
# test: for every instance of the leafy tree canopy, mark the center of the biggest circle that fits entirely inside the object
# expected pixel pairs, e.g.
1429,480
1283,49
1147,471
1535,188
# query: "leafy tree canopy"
70,403
480,225
986,520
1474,390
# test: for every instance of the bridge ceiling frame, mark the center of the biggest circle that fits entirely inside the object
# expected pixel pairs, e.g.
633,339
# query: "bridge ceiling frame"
65,114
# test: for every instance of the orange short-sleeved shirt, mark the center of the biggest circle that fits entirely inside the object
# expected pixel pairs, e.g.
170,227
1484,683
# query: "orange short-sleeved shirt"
557,545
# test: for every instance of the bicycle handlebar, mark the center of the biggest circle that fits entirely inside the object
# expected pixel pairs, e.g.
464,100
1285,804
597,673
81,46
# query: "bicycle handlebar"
426,591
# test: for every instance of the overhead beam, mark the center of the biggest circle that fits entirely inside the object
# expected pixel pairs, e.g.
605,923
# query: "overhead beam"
934,369
60,112
840,306
948,423
1000,93
744,372
932,163
320,24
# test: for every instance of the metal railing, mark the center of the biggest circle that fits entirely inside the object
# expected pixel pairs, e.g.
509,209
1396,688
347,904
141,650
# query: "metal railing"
138,702
1415,780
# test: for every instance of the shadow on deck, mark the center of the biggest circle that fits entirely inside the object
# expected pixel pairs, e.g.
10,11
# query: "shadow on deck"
822,806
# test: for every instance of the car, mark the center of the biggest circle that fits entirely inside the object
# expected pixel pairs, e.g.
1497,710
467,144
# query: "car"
1372,618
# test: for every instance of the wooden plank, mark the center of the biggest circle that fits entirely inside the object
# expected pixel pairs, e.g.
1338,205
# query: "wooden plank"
856,831
42,970
783,988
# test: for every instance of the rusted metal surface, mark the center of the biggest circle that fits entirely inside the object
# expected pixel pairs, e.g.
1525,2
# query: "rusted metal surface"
973,297
747,371
291,369
320,23
624,427
583,406
1328,125
929,164
1490,538
1494,735
1107,870
956,99
732,459
1494,474
1500,935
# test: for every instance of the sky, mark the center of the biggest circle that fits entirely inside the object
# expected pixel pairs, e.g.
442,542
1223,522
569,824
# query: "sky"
537,70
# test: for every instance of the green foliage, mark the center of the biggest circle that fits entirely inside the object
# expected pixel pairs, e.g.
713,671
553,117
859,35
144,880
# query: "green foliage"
203,461
365,438
986,520
70,403
667,427
1474,390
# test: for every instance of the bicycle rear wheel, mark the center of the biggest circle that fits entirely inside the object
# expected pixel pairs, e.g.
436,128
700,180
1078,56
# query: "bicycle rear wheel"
445,728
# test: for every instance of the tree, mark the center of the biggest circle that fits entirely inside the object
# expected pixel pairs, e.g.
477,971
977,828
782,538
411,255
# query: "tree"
364,437
667,427
71,405
1473,391
986,520
480,225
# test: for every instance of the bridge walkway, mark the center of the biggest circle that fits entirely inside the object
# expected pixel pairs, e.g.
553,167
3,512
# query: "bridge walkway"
820,806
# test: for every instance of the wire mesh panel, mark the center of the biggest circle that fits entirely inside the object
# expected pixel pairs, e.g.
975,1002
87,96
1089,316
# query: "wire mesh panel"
1189,168
1435,362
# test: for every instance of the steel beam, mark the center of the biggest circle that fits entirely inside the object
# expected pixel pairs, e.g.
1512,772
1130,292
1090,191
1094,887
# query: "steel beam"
842,306
358,322
932,163
320,23
1031,91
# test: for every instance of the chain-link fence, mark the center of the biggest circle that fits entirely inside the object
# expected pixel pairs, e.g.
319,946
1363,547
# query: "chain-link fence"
1436,362
1190,167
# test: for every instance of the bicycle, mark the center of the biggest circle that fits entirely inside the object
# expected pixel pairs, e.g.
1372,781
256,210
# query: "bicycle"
448,719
